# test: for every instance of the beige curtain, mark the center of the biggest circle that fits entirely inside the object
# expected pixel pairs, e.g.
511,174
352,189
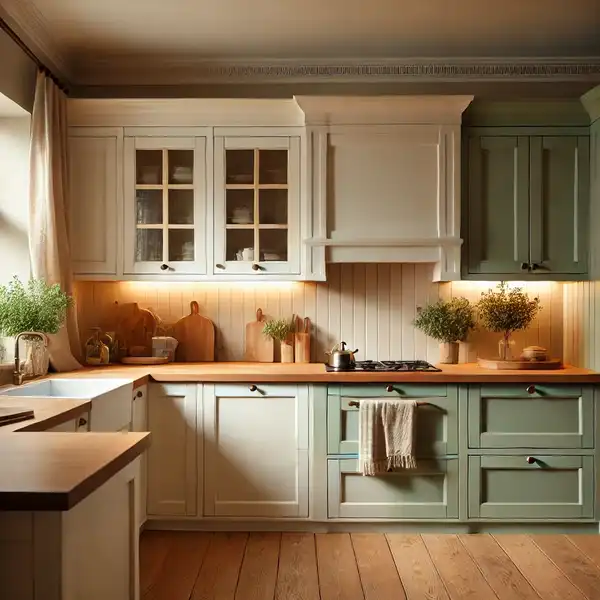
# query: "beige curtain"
48,220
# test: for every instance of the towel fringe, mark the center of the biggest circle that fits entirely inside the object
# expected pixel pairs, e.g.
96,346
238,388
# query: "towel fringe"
399,461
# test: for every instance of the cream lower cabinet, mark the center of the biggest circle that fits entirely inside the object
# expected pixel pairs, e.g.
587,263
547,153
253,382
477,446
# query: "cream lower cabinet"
173,467
256,450
139,422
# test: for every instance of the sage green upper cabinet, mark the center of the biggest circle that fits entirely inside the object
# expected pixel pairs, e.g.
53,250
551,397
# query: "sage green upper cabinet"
526,193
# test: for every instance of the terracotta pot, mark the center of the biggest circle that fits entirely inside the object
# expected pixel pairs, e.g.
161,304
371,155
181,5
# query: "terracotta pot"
287,352
449,353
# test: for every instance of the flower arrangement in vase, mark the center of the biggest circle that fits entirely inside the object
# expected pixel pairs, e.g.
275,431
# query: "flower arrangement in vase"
506,310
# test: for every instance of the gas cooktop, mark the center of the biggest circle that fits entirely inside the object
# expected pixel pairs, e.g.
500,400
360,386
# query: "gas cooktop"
383,366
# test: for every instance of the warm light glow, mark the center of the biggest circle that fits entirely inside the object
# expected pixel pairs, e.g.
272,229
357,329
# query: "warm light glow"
143,286
531,287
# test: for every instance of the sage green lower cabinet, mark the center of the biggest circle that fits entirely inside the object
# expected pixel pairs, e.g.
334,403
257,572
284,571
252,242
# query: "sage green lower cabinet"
543,488
428,492
437,416
522,416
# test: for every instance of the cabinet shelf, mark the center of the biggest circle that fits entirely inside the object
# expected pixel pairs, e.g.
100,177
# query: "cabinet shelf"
239,226
260,186
273,226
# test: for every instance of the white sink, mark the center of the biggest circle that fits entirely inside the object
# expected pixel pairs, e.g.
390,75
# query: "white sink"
67,388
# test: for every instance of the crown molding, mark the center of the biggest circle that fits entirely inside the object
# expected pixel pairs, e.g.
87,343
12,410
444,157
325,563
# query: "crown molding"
186,70
29,24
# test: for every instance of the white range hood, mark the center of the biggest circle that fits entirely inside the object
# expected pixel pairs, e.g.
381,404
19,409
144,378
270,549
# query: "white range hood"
386,179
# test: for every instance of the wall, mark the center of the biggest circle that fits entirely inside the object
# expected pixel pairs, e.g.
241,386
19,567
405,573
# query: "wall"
14,197
17,73
369,306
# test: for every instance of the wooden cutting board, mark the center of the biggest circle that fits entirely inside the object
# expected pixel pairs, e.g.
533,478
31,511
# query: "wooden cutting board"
10,415
259,348
196,337
302,341
520,365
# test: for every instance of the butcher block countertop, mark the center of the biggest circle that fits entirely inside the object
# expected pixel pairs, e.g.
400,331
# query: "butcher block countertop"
243,372
55,471
48,412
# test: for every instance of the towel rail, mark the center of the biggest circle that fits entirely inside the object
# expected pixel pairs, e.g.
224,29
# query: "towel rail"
357,404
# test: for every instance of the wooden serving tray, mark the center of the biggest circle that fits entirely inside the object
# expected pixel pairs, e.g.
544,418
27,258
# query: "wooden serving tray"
519,365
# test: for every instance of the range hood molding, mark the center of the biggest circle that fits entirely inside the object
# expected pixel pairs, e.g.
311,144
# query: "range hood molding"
386,179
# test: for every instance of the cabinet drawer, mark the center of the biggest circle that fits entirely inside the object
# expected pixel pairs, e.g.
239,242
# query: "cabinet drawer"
255,390
437,425
548,417
429,492
552,487
381,390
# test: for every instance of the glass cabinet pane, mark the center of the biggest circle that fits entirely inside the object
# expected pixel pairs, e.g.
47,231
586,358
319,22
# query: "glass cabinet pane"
240,207
149,245
273,244
181,207
149,207
240,244
181,167
148,167
273,165
181,244
273,207
239,167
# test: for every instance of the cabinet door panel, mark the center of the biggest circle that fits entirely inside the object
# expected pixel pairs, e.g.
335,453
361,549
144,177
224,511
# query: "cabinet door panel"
559,196
551,487
498,203
172,466
428,492
256,452
94,196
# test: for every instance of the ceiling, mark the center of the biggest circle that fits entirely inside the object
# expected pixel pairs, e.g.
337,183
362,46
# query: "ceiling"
110,31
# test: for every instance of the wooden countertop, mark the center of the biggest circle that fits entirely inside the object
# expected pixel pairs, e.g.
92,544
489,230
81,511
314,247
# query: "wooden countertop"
48,412
55,471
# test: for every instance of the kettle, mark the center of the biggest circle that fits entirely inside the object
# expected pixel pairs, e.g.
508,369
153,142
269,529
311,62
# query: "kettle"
340,358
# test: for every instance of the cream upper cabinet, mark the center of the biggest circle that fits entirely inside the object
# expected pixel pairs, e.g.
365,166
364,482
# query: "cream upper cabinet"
165,202
256,205
95,194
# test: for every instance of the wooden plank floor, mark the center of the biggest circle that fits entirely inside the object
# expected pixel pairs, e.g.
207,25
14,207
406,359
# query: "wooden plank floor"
341,566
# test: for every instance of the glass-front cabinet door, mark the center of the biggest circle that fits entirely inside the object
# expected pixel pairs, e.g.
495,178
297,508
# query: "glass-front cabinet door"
256,215
165,191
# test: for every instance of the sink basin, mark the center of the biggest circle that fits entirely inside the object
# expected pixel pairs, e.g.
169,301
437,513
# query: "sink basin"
66,388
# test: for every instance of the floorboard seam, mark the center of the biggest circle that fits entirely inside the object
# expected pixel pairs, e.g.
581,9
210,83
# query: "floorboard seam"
387,542
362,587
478,567
436,569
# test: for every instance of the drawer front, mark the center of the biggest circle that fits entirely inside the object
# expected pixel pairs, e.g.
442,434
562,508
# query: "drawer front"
255,390
549,417
553,487
381,390
429,492
437,425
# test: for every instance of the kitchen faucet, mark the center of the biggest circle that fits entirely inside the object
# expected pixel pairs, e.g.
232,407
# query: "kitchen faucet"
18,376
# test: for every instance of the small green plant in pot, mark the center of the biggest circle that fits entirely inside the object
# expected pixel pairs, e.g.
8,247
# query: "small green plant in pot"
36,307
448,322
281,331
506,310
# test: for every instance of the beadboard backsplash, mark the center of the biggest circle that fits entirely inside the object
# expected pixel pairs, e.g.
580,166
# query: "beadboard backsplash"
369,306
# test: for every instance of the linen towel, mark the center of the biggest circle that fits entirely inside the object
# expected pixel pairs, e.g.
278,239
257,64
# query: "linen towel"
386,435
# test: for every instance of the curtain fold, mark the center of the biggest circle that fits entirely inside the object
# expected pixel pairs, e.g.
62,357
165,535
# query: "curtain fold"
49,211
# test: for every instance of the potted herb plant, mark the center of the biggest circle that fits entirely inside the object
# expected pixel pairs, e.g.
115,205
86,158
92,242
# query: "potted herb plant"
36,307
448,322
281,330
506,310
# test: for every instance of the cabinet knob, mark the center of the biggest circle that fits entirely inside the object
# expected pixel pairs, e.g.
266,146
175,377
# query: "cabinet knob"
220,266
139,394
530,460
164,267
255,267
531,389
252,388
389,388
82,422
524,266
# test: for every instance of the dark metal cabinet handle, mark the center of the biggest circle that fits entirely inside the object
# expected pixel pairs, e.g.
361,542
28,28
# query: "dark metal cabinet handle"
389,388
534,267
164,267
530,460
220,266
524,267
82,422
253,388
531,389
256,267
139,394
